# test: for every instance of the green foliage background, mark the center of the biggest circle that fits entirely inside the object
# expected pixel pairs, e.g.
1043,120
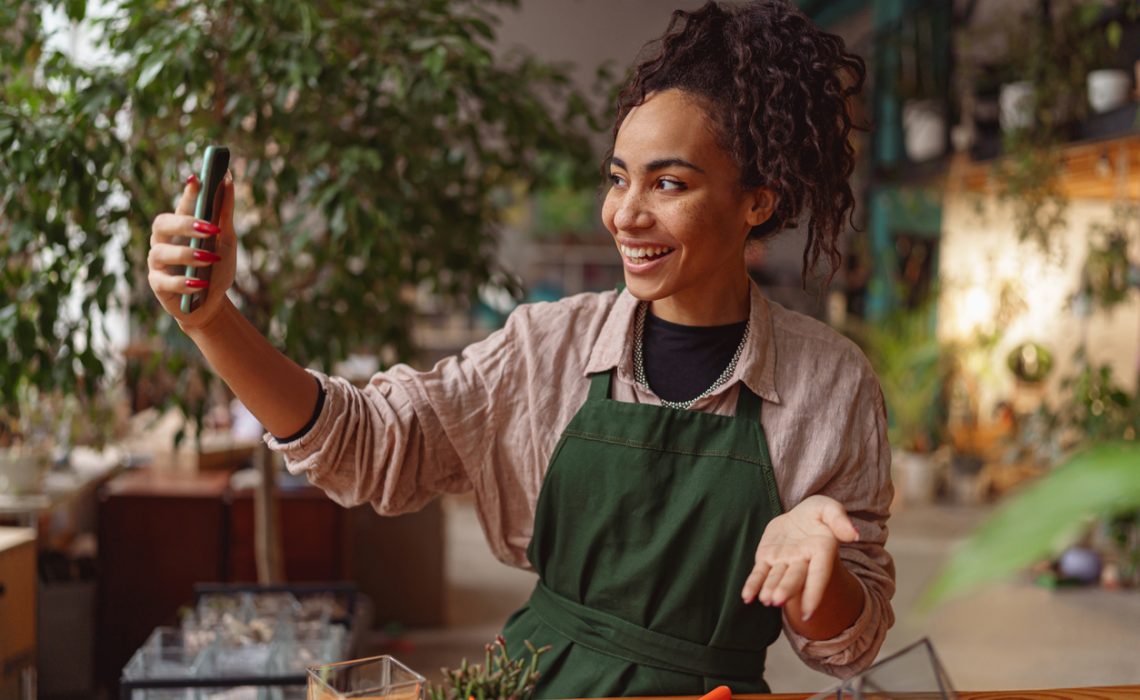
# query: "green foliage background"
373,144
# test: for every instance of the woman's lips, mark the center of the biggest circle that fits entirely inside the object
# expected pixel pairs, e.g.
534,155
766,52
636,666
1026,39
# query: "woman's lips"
644,258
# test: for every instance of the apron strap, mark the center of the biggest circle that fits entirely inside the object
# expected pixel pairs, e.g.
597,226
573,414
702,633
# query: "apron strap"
748,404
613,636
600,385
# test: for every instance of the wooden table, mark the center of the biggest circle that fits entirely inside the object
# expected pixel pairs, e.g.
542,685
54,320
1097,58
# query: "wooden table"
1117,692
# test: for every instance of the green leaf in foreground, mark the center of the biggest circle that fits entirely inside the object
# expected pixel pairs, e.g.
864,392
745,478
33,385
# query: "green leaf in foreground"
1103,480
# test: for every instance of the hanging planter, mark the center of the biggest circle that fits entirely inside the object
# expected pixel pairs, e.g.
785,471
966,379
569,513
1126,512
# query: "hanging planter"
1015,105
924,129
1108,89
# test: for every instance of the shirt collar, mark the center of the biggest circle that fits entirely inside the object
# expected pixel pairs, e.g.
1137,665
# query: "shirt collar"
757,367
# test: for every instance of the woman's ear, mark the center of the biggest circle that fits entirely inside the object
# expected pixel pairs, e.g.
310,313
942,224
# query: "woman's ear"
761,204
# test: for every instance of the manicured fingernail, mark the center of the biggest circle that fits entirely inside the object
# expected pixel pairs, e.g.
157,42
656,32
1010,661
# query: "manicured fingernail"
206,256
197,284
205,227
192,180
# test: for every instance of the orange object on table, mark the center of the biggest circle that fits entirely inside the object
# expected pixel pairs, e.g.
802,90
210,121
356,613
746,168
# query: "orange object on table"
721,692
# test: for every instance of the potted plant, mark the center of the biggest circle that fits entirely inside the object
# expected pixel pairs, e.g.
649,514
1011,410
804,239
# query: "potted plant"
911,366
922,91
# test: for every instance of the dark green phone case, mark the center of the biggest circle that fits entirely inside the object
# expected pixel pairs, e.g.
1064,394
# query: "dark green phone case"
215,162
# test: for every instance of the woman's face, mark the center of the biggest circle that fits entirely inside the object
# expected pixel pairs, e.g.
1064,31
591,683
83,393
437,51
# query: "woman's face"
678,214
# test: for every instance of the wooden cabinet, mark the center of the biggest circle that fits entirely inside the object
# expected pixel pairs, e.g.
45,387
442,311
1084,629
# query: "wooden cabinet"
17,610
160,532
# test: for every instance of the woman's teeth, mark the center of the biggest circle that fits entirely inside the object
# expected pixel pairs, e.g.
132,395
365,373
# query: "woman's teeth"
643,254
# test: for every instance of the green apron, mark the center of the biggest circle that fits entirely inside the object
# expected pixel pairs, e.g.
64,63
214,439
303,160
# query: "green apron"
645,530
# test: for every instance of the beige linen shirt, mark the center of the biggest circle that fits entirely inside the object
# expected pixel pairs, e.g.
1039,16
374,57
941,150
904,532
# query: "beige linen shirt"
488,420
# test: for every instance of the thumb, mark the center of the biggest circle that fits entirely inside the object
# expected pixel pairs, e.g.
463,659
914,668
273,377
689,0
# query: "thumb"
226,216
837,520
189,196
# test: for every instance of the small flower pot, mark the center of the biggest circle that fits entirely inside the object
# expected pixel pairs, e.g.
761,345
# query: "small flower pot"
1108,89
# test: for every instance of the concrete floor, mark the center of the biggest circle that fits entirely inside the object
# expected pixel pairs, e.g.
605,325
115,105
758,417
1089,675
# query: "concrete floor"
1007,636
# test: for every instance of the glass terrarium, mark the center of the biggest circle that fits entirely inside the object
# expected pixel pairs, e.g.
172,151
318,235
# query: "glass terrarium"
914,673
375,678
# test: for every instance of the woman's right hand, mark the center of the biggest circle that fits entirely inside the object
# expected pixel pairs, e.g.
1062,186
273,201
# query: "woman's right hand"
168,259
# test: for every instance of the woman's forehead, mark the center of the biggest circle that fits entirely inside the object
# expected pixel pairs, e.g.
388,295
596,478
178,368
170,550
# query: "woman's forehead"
668,124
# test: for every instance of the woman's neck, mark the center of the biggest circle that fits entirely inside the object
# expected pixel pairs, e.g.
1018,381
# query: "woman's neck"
719,305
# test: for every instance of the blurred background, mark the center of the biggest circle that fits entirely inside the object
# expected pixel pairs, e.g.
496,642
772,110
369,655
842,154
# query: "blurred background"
409,171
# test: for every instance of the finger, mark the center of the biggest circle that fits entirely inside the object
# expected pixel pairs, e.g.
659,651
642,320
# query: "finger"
771,582
227,239
162,255
819,570
755,580
167,227
837,520
164,283
189,196
791,584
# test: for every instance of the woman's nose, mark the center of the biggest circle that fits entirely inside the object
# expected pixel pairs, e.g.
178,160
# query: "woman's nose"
632,213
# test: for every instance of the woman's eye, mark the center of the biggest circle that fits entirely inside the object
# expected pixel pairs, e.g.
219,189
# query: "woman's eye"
671,185
617,180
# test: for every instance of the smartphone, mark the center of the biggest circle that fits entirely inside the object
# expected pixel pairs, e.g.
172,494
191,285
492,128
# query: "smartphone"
215,162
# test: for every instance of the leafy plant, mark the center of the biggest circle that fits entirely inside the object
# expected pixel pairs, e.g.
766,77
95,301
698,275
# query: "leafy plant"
499,677
1054,53
1102,481
373,144
911,365
1109,274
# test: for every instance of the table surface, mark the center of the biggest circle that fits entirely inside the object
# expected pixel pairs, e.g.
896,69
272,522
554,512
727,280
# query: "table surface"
1118,692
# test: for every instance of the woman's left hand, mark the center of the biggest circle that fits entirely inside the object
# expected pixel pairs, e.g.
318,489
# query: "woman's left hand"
798,553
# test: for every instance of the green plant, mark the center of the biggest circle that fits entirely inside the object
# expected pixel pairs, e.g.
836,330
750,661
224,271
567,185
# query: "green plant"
1054,53
499,677
1100,482
1108,274
911,365
1096,409
372,146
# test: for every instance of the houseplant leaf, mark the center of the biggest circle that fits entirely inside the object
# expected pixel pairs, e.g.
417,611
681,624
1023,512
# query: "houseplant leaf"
1103,480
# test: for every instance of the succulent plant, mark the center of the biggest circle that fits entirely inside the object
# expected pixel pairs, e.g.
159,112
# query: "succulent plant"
499,677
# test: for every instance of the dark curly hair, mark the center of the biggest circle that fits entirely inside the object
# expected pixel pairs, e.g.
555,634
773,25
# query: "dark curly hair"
777,87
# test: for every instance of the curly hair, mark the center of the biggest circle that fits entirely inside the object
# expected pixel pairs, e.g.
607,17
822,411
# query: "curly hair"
777,88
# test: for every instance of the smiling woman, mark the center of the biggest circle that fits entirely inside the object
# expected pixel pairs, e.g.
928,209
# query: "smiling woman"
669,458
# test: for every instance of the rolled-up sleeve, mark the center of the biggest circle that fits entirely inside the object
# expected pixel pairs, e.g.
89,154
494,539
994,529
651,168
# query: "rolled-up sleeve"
862,483
407,436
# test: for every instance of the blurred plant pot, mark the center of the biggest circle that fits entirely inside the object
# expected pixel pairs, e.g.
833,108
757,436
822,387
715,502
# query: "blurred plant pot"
917,474
1108,89
1015,104
968,484
924,129
21,470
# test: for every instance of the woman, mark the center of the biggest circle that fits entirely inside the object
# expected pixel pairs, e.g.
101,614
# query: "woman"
688,466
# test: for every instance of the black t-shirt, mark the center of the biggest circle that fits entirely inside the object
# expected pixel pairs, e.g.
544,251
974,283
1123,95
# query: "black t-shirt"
681,362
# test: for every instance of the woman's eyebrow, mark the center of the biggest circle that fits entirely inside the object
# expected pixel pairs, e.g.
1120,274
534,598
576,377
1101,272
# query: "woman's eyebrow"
660,164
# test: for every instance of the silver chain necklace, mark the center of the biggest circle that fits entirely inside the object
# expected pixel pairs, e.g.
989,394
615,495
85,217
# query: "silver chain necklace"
639,361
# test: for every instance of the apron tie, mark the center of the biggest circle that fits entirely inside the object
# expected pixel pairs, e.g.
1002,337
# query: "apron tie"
613,636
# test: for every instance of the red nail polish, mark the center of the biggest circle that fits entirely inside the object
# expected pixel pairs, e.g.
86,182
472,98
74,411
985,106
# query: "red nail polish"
192,180
196,284
205,227
206,256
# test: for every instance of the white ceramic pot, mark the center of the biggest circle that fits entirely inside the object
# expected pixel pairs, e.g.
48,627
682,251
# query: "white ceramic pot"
21,470
1015,105
924,130
916,475
1108,89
